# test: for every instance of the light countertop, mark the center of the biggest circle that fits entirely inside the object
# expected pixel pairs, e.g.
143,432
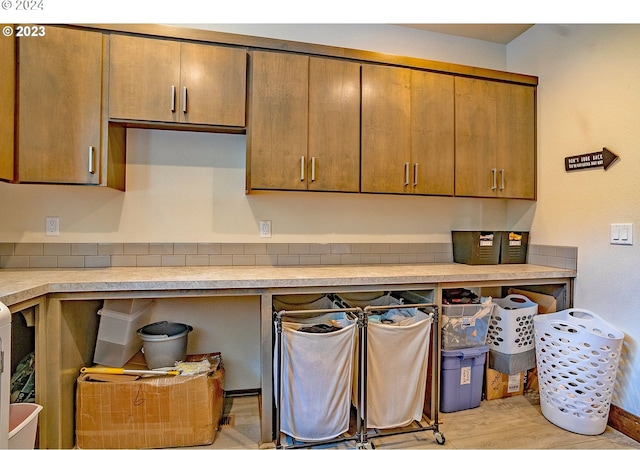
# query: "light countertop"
17,286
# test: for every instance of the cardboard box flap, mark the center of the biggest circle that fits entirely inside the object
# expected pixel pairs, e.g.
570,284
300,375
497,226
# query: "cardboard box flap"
546,303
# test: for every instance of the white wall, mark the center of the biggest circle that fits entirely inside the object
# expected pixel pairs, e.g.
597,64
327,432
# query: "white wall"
189,187
589,98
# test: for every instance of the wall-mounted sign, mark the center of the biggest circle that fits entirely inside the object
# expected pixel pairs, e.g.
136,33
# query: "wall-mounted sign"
590,160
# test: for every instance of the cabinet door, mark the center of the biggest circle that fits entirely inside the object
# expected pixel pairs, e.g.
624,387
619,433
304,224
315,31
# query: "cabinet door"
516,141
495,139
334,126
386,129
213,85
7,94
432,133
476,129
144,79
277,133
59,115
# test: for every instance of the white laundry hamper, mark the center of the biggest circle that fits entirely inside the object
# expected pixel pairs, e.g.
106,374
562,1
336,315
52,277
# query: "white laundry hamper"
511,324
397,359
577,356
397,370
317,372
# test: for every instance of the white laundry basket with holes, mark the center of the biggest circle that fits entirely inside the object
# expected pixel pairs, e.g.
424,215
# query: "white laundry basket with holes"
577,358
511,325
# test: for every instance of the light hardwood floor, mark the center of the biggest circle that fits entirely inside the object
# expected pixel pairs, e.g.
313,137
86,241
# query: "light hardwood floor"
507,423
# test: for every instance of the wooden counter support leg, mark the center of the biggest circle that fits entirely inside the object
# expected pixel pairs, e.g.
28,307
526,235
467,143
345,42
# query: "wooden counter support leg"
266,369
71,328
48,385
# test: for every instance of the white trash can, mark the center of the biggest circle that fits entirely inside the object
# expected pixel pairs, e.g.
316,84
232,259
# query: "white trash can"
577,357
23,424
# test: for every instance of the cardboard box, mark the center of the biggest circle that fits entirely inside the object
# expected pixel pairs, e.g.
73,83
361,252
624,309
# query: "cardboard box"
546,303
151,412
500,385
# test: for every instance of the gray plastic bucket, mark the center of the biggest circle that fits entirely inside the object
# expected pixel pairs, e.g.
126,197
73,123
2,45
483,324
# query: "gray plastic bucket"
164,343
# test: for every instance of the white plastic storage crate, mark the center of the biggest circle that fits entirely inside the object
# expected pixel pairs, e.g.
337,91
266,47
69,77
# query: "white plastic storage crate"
465,326
117,339
126,306
577,356
511,324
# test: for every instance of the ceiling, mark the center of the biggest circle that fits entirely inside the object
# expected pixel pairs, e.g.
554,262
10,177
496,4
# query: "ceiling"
501,33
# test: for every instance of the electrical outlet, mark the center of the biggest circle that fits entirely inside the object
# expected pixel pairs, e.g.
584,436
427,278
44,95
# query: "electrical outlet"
52,226
265,228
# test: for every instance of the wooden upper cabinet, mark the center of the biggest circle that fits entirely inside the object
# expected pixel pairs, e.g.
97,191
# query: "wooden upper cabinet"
7,105
144,78
59,107
516,150
334,126
386,129
495,139
303,131
407,131
432,133
161,80
277,133
214,84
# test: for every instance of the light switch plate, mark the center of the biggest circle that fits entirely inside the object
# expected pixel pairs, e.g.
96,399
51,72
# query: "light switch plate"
622,233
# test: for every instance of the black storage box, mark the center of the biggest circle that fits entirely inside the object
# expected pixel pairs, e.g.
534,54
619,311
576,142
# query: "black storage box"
476,247
490,247
513,249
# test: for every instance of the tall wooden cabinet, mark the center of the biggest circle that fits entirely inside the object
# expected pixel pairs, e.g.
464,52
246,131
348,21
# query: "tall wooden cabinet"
386,129
495,139
60,107
407,131
162,80
303,132
7,105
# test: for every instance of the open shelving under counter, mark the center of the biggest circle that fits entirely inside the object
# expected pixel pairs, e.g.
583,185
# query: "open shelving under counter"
64,303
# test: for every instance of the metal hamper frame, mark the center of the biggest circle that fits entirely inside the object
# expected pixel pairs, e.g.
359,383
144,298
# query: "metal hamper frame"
363,441
362,436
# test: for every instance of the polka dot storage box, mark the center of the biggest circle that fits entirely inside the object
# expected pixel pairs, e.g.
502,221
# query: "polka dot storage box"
577,357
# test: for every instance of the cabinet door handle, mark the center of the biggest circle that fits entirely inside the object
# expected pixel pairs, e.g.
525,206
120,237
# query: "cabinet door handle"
92,155
502,179
415,174
173,99
495,181
313,168
184,99
302,168
406,174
